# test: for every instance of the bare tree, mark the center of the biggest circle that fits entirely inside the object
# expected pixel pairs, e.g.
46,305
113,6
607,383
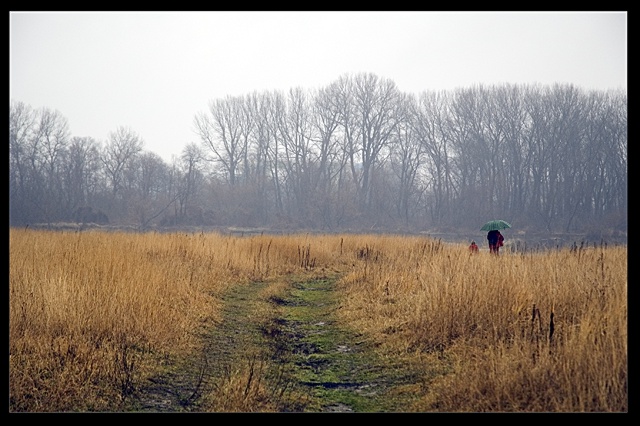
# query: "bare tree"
22,121
53,132
616,112
356,153
259,161
406,158
81,172
259,138
225,133
371,110
38,140
147,198
275,115
432,126
118,157
123,145
191,163
604,160
512,114
332,159
547,146
298,157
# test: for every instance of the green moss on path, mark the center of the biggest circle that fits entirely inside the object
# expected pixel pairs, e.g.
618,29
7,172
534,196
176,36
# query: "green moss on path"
333,362
314,363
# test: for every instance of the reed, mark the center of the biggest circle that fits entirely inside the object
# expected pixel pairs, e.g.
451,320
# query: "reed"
92,314
87,308
518,332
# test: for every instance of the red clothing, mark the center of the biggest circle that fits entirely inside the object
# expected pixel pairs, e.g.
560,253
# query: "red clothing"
473,248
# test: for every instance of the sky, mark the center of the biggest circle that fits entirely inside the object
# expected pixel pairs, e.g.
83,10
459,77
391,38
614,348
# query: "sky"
153,72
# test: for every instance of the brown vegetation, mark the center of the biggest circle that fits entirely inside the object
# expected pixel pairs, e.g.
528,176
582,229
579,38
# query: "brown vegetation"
519,332
93,314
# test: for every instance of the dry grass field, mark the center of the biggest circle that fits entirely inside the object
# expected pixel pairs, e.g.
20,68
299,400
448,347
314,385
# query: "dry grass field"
544,332
92,314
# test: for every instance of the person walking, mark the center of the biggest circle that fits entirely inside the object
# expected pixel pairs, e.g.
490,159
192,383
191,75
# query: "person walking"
473,248
500,242
496,240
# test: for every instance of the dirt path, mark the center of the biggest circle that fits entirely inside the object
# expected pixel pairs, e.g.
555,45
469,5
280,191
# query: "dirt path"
335,363
300,352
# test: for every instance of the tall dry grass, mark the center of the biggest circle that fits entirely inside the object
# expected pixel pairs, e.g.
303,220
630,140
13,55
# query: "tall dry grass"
86,307
92,314
517,332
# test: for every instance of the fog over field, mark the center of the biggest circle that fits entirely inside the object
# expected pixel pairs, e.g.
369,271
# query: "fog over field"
458,119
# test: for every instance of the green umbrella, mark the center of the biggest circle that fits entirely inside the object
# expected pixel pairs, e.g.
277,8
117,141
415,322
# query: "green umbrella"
495,225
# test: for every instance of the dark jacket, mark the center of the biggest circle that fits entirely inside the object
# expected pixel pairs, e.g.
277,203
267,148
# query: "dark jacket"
493,237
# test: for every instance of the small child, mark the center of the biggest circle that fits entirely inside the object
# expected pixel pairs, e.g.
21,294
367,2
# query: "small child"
473,248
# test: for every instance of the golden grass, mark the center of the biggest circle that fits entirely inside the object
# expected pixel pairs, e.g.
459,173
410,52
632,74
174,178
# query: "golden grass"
93,313
84,308
520,332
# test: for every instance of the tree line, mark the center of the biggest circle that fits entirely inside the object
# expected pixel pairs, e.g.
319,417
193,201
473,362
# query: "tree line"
356,154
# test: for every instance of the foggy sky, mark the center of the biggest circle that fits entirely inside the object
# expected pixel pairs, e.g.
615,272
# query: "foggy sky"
154,71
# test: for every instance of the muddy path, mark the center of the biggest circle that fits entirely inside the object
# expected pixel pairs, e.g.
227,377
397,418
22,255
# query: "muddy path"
284,349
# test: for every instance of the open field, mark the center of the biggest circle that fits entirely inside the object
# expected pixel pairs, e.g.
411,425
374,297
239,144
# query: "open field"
95,317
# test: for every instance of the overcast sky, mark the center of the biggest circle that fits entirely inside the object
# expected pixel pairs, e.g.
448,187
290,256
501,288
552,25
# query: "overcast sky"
153,72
